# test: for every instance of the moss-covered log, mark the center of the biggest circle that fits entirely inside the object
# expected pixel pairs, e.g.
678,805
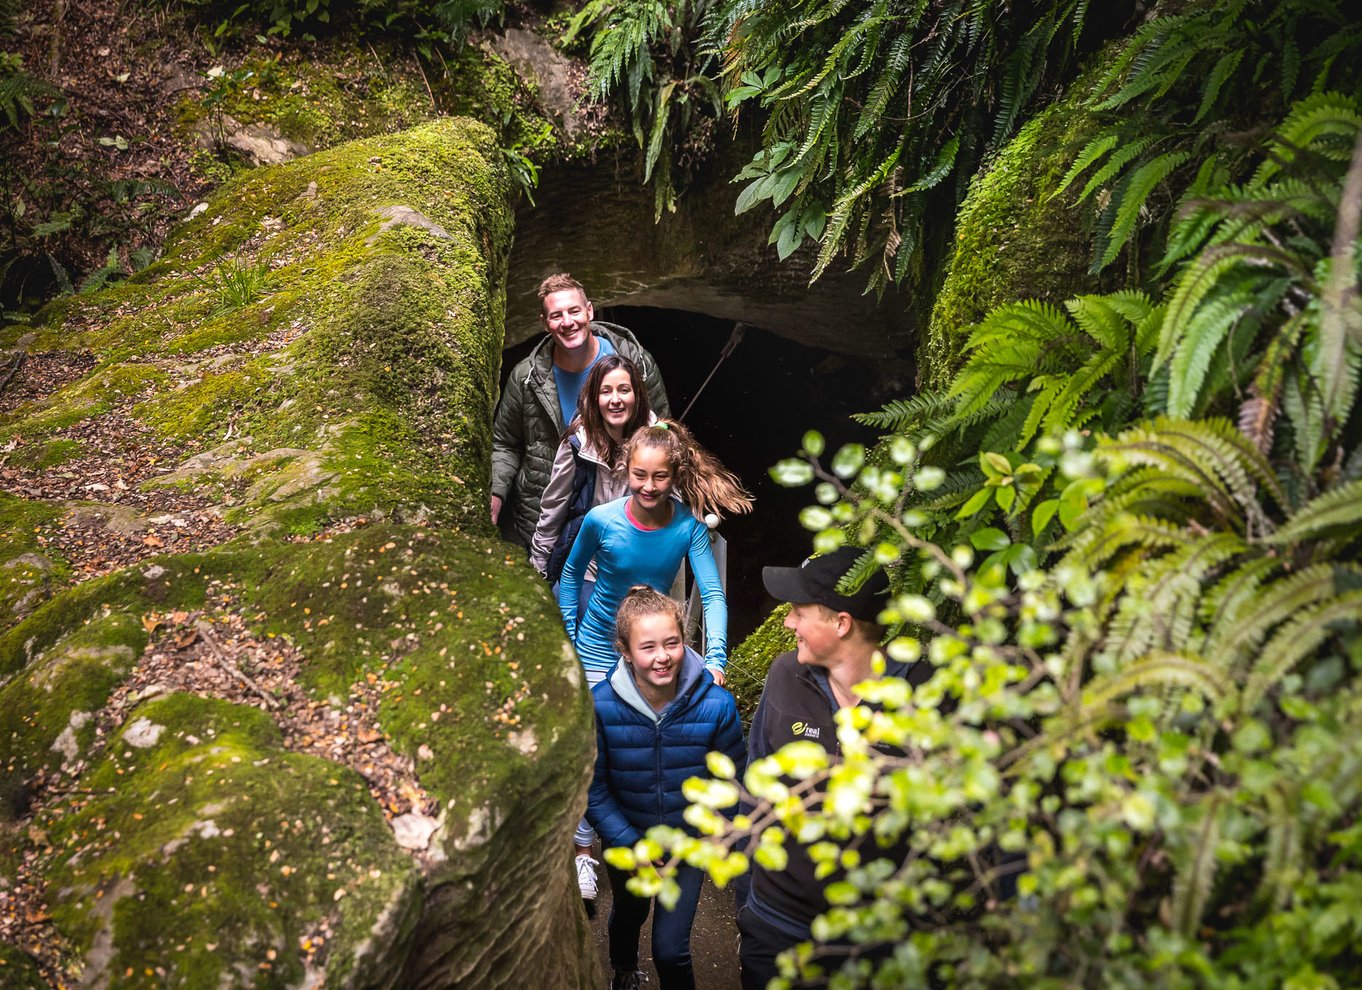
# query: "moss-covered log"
373,780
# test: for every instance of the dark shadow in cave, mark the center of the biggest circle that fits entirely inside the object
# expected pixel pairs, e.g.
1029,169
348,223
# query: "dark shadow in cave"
753,412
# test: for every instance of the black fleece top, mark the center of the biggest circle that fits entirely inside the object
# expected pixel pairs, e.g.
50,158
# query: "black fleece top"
797,703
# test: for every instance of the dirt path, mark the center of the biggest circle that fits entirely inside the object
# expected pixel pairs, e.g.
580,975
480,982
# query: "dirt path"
713,943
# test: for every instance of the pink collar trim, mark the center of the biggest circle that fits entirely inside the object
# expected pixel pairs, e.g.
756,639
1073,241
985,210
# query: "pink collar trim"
629,514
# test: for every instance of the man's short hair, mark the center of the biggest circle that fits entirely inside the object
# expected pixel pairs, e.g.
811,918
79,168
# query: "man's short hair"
871,632
560,282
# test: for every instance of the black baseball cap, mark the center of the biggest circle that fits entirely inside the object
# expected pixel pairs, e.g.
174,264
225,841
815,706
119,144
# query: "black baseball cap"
816,579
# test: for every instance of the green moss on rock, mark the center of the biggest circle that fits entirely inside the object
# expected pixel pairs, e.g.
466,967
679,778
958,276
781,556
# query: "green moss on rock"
19,971
749,662
355,391
29,570
319,96
213,854
91,396
48,712
376,345
1014,239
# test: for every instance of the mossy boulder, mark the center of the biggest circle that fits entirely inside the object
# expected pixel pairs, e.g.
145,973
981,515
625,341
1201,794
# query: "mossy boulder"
749,662
272,106
340,739
1014,238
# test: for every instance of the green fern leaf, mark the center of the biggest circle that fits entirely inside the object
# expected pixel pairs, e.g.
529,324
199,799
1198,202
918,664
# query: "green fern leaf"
1131,199
1159,668
1127,154
1196,874
1282,858
1241,630
1339,509
1092,152
1299,638
1201,337
1225,67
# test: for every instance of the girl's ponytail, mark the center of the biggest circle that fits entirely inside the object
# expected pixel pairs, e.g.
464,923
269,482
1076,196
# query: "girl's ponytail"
703,483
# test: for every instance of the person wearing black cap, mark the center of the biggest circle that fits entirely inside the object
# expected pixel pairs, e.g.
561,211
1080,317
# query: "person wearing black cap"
836,637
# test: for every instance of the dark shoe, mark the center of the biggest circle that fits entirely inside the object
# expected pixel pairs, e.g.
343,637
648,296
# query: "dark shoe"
627,981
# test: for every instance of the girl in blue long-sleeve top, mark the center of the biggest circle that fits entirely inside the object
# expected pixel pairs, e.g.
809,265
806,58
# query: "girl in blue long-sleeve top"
657,716
642,539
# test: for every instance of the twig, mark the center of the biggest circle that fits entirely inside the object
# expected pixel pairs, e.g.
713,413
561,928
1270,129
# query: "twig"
206,634
14,367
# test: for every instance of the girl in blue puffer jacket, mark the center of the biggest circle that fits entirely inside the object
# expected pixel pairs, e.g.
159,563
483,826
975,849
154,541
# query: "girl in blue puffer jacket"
657,715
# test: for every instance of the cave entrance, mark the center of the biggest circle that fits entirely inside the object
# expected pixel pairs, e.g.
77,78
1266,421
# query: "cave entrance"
753,412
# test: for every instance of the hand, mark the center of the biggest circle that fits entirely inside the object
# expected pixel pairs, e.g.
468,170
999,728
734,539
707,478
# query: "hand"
717,674
496,507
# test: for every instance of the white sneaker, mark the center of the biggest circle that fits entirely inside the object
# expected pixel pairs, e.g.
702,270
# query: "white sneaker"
586,876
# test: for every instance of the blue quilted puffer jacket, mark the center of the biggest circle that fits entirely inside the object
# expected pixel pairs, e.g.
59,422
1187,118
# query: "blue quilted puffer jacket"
643,757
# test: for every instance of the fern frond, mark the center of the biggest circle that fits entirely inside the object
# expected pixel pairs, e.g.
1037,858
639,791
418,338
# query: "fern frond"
906,415
1092,152
1199,339
1130,199
1122,531
1282,857
1232,593
1127,154
1150,34
891,77
1196,875
1160,668
1243,629
1225,67
1299,638
1210,454
1324,516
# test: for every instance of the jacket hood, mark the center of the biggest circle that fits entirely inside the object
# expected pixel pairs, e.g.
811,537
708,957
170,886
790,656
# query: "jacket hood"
691,683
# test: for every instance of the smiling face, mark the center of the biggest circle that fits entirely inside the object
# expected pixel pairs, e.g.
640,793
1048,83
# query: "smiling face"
617,401
650,477
815,629
567,317
655,653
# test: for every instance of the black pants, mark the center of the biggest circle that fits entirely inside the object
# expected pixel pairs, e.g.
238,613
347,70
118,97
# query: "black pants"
671,929
758,950
761,943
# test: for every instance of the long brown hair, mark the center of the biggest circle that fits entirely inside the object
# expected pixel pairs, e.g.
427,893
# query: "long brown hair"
589,416
703,483
640,601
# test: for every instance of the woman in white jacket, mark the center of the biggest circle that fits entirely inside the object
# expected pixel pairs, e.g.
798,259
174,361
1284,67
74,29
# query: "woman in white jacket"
588,469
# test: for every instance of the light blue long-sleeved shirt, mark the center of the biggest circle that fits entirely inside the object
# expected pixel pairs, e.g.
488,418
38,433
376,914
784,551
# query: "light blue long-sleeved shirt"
627,555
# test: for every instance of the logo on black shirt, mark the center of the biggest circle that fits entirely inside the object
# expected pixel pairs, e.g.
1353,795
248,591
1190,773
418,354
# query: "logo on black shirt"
806,730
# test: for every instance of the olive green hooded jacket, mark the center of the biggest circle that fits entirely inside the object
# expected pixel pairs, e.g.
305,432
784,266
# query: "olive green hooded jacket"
528,425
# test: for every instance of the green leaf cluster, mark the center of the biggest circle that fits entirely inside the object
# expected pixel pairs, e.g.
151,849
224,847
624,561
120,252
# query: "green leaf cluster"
1172,96
1125,543
647,60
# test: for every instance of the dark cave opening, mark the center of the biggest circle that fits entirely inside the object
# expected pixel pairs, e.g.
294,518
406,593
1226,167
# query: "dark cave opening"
753,412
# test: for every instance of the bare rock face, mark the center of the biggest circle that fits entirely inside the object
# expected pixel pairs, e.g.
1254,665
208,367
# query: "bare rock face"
547,69
282,711
262,144
596,220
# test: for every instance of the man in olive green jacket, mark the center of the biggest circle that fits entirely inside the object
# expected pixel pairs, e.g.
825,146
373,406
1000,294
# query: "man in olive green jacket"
532,414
